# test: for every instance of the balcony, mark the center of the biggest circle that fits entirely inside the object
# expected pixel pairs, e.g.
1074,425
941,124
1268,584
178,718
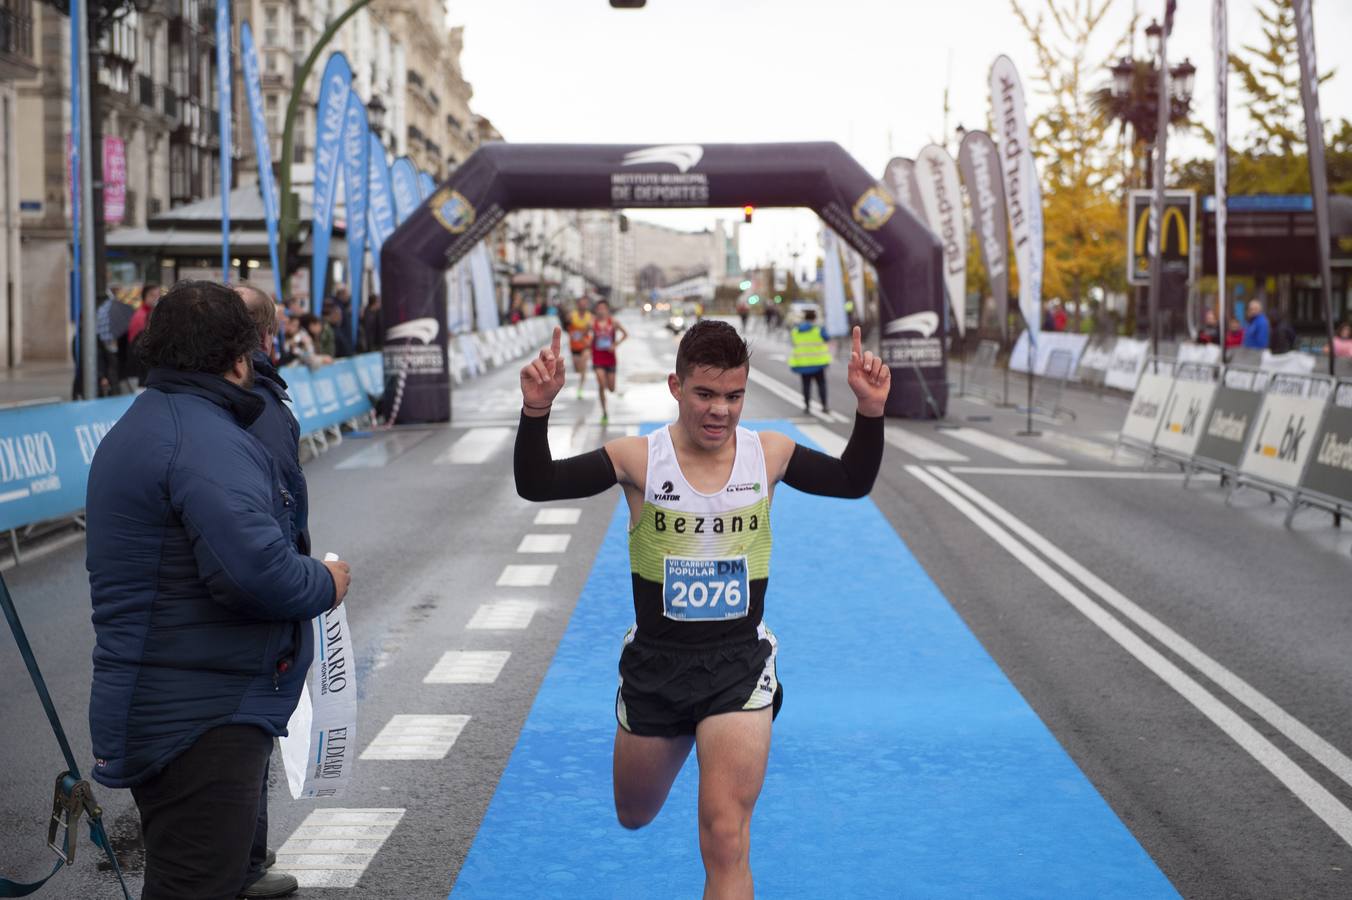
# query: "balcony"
16,39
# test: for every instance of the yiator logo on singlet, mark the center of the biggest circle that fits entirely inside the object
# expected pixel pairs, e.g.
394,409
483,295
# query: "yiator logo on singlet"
666,493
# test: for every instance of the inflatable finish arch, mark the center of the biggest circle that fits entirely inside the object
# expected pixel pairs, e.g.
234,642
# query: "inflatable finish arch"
499,178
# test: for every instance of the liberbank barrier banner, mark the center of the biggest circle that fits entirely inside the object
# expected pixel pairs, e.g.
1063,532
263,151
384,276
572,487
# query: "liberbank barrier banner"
1283,436
1184,415
332,113
1147,408
1234,407
332,394
45,452
1129,355
320,746
1330,470
1047,343
937,175
979,161
500,177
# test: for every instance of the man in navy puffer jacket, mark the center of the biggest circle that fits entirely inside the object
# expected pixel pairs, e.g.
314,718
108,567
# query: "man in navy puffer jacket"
200,598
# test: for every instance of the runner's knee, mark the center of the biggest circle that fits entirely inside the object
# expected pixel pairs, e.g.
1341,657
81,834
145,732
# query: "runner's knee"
724,838
632,815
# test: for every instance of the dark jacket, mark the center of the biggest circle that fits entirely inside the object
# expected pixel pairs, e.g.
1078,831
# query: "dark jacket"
200,598
279,431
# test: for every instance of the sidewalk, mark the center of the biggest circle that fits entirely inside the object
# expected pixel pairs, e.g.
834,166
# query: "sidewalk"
33,382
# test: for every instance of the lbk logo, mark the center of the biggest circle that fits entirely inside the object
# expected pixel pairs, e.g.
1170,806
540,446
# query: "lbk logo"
1288,448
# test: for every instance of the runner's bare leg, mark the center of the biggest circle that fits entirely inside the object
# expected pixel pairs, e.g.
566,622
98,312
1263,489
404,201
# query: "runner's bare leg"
733,749
644,769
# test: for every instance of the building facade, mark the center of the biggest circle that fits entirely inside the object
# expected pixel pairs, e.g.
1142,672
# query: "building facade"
18,62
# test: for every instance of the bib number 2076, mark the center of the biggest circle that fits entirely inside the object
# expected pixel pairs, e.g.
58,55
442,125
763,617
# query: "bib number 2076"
705,589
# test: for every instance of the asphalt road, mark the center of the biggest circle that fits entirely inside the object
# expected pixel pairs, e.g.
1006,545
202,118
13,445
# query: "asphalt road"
1191,657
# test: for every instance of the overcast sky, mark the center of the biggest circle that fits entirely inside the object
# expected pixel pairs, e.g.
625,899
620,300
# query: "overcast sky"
868,74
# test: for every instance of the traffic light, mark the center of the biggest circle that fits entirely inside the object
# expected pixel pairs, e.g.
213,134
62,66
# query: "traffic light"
747,211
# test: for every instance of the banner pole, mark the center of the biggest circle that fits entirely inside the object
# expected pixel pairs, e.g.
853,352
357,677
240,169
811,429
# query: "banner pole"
85,227
1029,431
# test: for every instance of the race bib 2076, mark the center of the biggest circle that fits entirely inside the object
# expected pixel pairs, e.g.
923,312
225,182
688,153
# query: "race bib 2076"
704,590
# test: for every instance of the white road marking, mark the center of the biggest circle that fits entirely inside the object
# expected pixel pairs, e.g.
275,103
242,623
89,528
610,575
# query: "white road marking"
527,576
503,615
1309,791
475,446
1002,447
789,395
416,737
544,543
468,667
384,450
920,447
333,846
1091,449
558,515
830,442
1067,473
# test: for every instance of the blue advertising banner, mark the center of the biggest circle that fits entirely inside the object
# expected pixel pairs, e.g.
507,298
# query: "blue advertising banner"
371,372
380,198
331,114
356,180
267,180
77,9
406,194
45,452
302,397
425,185
224,78
352,400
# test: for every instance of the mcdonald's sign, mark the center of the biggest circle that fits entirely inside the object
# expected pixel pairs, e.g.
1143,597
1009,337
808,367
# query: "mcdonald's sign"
1178,231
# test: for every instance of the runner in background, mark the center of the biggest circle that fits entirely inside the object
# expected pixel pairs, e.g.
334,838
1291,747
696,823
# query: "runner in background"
606,336
579,335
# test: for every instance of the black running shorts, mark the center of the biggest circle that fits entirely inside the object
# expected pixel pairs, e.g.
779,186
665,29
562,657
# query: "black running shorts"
666,690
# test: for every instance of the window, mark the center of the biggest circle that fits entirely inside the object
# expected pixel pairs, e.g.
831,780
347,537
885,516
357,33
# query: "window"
274,63
271,32
272,104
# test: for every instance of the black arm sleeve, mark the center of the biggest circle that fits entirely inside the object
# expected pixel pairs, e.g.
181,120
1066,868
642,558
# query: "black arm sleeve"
540,478
850,476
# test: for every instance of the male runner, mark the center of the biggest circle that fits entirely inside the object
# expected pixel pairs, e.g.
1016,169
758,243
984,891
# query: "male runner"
698,667
606,336
579,336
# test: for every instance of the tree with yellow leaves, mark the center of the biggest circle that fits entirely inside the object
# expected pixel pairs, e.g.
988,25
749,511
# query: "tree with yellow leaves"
1082,190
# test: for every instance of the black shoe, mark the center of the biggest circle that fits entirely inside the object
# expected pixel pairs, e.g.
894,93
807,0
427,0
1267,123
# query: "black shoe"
272,884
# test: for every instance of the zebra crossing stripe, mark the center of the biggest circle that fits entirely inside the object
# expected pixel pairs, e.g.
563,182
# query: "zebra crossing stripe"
468,667
333,846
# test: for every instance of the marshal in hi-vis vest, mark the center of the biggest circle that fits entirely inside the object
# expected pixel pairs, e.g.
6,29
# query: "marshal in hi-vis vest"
701,562
809,349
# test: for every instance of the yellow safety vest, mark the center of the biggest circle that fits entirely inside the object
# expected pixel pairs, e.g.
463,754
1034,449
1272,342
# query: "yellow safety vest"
809,349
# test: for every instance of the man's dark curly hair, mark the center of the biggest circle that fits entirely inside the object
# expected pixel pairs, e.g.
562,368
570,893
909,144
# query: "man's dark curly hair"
711,343
198,326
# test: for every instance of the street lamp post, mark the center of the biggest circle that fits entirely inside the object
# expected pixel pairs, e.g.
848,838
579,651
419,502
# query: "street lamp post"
1149,96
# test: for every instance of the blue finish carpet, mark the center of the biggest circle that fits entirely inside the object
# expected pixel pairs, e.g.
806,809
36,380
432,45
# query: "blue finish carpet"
904,763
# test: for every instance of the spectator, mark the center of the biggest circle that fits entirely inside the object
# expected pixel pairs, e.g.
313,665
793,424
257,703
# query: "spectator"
199,598
307,341
297,345
373,329
1059,319
1283,334
321,333
150,295
1257,335
1342,341
278,431
1048,320
1234,332
1210,332
337,324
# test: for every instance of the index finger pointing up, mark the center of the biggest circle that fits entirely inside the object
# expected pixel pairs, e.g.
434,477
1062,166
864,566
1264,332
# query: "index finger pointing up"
554,342
858,348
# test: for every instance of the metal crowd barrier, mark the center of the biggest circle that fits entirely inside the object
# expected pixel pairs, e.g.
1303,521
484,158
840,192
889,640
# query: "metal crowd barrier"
45,451
473,353
1288,434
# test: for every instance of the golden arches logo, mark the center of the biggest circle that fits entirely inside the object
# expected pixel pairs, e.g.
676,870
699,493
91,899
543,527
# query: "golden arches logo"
1171,214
